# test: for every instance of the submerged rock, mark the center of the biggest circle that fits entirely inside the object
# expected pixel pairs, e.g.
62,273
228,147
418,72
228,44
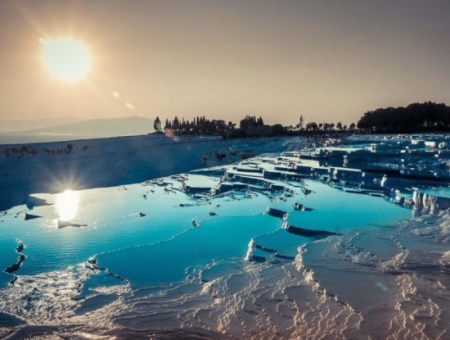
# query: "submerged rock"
16,265
256,258
31,217
307,232
285,257
301,207
307,191
66,224
277,213
92,263
13,280
268,250
20,246
36,202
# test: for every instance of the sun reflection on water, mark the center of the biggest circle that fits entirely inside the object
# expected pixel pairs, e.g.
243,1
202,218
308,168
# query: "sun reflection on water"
67,205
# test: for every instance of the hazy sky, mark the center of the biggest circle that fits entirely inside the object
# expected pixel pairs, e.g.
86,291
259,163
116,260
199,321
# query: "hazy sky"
325,60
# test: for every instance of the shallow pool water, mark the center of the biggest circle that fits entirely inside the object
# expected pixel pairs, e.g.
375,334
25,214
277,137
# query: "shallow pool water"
158,247
153,255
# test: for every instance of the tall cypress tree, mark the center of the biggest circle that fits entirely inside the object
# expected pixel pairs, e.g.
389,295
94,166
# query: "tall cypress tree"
157,124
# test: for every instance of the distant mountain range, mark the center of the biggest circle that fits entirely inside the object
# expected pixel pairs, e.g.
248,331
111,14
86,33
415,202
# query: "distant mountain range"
21,125
61,129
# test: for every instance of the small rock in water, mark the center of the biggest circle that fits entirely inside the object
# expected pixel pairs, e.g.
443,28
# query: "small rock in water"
67,224
31,217
16,265
20,247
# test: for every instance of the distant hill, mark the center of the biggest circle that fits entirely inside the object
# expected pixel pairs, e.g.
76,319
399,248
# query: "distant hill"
21,125
110,127
80,129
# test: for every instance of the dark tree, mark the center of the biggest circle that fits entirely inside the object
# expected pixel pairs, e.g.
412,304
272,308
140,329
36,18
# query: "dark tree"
249,121
415,117
312,126
157,124
277,129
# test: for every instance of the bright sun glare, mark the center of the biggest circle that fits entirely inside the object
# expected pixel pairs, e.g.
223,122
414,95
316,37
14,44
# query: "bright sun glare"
67,205
65,59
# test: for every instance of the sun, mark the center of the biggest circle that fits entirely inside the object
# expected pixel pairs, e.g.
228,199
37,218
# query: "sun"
65,59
